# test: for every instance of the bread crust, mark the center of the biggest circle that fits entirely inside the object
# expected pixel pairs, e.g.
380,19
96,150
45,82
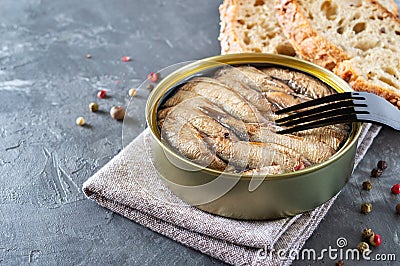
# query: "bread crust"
313,47
394,9
384,10
358,83
307,42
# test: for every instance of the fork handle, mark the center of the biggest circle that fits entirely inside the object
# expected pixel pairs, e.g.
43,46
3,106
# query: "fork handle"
374,118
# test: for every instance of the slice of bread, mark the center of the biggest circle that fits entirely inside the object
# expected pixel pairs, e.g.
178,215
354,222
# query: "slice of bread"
251,26
358,40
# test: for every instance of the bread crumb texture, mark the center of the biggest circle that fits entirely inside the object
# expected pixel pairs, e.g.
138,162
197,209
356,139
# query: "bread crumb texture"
358,40
251,26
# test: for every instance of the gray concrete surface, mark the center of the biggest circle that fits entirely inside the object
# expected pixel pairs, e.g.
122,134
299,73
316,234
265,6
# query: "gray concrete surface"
46,83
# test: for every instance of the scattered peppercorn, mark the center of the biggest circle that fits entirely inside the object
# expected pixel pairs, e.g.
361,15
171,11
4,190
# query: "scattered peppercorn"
132,92
367,233
80,121
367,185
396,189
398,208
376,172
382,165
126,59
150,87
102,94
226,135
94,107
366,208
382,30
363,247
117,112
153,76
299,166
339,263
375,240
88,56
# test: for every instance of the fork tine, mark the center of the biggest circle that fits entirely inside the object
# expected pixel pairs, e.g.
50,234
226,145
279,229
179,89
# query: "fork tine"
324,122
318,110
319,101
315,116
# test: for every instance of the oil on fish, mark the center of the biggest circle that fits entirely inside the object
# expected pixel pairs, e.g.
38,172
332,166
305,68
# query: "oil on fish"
226,121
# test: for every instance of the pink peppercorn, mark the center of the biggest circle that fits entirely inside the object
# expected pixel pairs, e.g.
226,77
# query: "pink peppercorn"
299,166
375,240
126,59
153,77
396,189
102,94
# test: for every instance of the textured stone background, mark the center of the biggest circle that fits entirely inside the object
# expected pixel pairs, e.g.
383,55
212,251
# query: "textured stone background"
46,82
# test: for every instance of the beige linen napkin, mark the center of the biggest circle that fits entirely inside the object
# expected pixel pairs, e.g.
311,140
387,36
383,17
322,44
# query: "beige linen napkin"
129,185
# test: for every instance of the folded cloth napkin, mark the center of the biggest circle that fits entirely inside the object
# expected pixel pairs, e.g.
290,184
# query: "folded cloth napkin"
129,185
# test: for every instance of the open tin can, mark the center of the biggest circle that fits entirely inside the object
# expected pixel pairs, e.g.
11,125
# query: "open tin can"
247,196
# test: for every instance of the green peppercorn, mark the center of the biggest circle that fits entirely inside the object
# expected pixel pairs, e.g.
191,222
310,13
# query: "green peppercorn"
80,121
367,185
366,208
94,107
363,247
367,233
132,92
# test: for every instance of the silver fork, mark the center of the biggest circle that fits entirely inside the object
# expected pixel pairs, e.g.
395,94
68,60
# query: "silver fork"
339,108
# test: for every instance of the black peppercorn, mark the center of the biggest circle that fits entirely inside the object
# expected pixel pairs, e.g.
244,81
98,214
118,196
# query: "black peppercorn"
376,172
117,112
340,263
382,165
150,87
